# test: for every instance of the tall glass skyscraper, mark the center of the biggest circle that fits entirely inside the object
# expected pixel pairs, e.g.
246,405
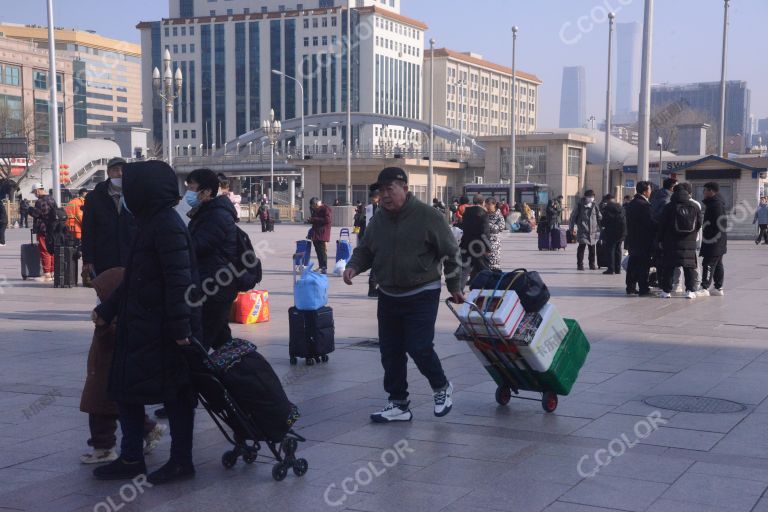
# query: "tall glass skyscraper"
573,98
629,38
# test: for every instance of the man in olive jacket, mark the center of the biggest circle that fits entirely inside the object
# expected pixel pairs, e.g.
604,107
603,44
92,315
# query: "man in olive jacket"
407,245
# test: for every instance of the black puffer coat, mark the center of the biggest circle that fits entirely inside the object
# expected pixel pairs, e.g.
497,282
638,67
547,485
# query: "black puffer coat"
614,223
214,238
679,249
155,303
715,233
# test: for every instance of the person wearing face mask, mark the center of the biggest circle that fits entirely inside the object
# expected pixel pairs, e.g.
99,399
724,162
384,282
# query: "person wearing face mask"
585,226
214,241
108,227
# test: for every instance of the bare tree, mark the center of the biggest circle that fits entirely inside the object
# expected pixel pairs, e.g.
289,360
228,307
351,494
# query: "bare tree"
666,120
24,126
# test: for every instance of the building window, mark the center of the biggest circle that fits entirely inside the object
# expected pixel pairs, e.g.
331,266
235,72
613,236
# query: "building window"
230,12
175,48
306,22
183,31
314,22
191,47
167,32
40,79
246,10
315,41
122,110
176,134
11,75
306,42
325,22
193,133
334,22
213,12
325,40
183,48
574,161
175,31
184,134
191,31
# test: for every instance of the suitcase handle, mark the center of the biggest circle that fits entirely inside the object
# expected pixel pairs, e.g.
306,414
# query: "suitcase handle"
344,232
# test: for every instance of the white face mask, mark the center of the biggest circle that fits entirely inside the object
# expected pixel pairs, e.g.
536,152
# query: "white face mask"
116,182
590,200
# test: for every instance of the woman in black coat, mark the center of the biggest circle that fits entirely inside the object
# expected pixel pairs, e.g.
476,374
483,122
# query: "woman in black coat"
214,239
715,239
156,317
679,226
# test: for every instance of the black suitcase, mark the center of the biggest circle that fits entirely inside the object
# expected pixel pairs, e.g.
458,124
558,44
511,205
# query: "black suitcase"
65,266
311,335
270,226
602,254
30,261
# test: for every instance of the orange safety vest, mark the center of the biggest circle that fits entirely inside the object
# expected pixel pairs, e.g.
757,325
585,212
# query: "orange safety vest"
74,211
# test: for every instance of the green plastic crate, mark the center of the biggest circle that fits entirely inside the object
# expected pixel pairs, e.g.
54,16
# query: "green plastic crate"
568,361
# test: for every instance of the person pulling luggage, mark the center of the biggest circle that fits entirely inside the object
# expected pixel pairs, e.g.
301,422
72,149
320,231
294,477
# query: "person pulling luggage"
408,245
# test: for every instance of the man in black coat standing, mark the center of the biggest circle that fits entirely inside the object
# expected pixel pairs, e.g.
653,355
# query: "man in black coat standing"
714,244
614,232
155,304
476,239
214,238
641,232
679,227
108,229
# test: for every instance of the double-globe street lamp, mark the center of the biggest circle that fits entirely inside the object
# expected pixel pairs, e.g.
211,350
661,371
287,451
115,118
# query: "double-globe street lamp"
168,88
272,129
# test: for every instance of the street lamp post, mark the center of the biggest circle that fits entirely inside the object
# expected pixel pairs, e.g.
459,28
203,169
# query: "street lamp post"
431,170
460,84
168,88
272,129
514,120
54,108
608,113
721,133
644,146
660,145
301,109
528,169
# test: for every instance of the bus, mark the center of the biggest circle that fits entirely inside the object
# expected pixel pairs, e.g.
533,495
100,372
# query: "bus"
535,195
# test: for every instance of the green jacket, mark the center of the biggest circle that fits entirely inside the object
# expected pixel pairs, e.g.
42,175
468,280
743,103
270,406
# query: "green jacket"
409,249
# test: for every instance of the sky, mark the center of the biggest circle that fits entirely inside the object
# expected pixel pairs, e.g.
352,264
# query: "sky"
687,37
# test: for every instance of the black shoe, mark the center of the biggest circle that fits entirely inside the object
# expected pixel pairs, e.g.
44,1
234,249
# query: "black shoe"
323,270
171,472
580,267
608,272
592,267
633,292
618,272
161,413
645,294
120,469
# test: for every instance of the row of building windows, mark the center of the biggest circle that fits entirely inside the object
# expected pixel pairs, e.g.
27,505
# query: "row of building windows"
320,41
185,134
183,48
183,30
321,21
398,28
398,46
106,55
486,82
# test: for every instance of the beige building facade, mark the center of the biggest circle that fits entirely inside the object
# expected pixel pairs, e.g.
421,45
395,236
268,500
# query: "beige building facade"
107,75
25,95
465,82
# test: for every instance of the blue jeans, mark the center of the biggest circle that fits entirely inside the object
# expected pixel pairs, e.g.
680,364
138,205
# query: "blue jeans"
407,328
181,418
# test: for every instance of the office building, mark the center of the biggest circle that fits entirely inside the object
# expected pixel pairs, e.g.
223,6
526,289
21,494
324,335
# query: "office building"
465,82
700,102
25,95
629,37
573,98
227,50
107,75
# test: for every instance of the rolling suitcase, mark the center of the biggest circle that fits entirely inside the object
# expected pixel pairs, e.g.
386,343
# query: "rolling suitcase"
602,254
558,239
545,242
30,260
270,225
65,266
311,335
343,246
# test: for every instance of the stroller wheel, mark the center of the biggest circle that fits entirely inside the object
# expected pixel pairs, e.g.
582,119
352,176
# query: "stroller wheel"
279,472
290,446
318,359
250,457
300,467
310,361
229,459
294,361
324,359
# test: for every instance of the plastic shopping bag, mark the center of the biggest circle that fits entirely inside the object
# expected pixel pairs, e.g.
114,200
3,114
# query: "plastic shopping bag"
311,290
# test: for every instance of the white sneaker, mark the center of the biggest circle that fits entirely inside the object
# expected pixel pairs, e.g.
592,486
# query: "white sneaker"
391,413
702,293
152,439
690,295
99,456
443,401
45,278
665,295
717,292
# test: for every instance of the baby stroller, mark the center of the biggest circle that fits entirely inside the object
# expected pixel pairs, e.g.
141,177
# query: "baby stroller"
239,389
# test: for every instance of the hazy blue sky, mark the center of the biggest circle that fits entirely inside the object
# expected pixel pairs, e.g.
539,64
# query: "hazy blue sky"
686,46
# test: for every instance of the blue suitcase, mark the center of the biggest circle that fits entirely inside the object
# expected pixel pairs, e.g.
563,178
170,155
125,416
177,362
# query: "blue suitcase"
303,253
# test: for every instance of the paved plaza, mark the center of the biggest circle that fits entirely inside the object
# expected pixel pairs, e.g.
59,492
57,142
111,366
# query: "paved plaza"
480,457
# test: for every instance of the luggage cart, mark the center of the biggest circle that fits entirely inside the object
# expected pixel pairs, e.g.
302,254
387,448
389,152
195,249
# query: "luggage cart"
503,361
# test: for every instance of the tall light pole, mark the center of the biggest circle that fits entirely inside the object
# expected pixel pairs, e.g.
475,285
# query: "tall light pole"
272,129
660,145
54,108
644,146
461,83
513,154
608,113
431,170
168,88
301,105
349,106
721,133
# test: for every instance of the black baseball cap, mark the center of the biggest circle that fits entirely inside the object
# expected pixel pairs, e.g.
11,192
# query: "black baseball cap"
389,175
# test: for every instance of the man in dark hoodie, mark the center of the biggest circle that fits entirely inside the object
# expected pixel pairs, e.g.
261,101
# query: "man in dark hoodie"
157,317
679,226
714,243
214,237
614,231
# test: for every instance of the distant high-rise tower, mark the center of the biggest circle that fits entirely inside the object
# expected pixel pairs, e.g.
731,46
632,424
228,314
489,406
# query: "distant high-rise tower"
573,98
629,39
